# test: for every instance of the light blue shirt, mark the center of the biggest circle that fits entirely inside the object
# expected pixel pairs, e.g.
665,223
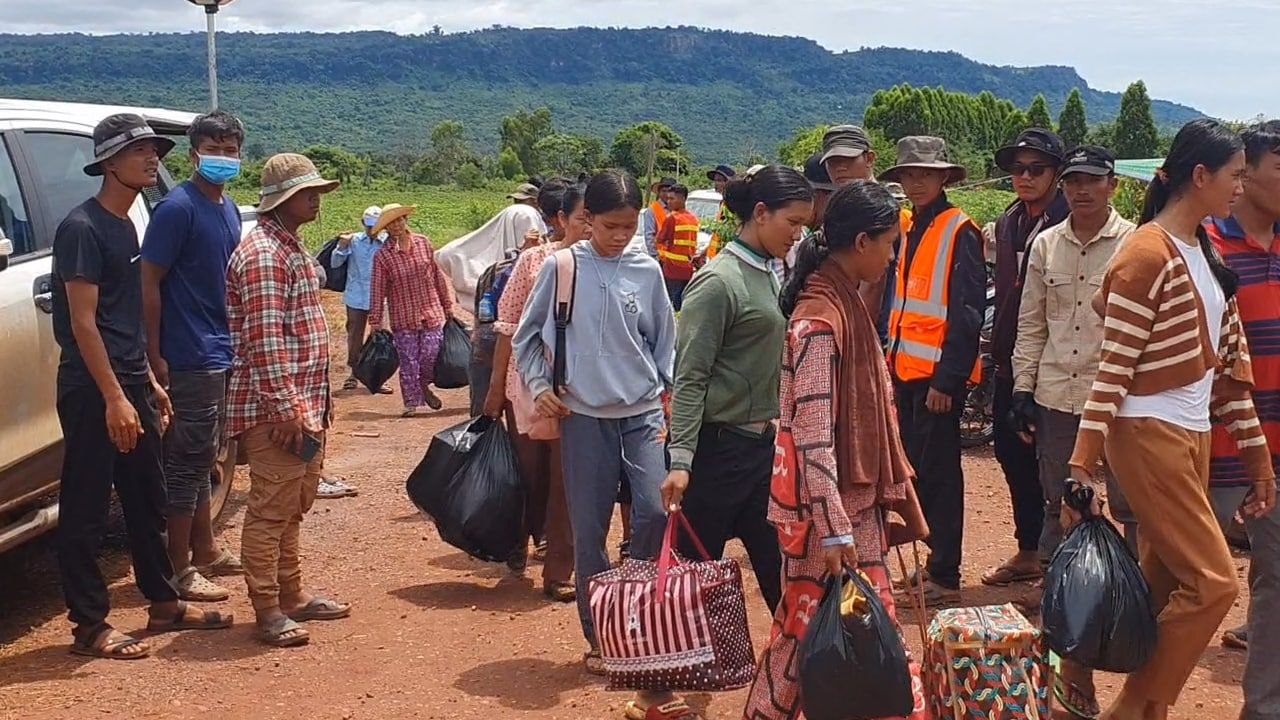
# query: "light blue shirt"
359,269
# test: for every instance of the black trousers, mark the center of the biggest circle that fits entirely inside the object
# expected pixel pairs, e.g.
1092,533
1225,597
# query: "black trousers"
728,497
93,466
1021,471
933,446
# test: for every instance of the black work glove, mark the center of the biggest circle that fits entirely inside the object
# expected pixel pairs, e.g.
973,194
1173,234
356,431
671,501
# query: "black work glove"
1024,413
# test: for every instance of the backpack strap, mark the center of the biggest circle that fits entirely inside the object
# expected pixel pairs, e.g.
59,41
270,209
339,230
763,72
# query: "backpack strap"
566,285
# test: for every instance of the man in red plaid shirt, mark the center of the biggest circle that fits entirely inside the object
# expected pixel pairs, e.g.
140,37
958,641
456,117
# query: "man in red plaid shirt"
278,402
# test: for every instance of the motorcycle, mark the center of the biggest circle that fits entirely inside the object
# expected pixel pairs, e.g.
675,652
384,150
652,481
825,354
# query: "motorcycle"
977,420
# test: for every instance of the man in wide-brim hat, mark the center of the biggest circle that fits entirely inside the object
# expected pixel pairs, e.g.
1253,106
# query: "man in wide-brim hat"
936,315
278,404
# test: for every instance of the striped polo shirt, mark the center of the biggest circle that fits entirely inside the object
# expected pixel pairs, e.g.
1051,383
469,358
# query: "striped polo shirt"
1258,265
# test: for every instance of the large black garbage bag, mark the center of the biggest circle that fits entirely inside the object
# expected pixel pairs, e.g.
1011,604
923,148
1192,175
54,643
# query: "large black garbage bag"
853,668
446,454
378,360
1097,605
455,355
335,278
479,506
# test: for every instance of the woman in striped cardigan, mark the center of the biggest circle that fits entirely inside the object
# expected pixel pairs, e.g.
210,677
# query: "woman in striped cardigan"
1173,353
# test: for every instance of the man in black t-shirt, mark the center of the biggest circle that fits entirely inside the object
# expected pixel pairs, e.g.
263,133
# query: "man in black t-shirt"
112,410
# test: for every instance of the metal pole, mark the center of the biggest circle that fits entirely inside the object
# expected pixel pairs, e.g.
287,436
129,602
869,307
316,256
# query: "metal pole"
211,32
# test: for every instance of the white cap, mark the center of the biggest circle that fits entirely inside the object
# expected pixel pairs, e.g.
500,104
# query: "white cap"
371,215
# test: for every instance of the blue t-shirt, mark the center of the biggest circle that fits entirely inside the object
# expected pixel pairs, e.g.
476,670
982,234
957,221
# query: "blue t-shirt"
193,238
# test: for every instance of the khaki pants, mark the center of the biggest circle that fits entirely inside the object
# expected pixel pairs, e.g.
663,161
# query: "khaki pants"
282,489
1164,473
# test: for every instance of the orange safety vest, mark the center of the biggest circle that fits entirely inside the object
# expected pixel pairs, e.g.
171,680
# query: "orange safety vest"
677,255
918,321
659,212
714,248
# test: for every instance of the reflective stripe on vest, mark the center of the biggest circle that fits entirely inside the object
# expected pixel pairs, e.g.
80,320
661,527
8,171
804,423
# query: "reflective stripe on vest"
683,246
918,322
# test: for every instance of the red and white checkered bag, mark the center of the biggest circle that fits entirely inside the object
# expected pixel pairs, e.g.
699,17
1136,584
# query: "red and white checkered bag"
673,624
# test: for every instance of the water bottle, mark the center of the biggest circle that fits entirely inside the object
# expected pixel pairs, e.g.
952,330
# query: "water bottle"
486,308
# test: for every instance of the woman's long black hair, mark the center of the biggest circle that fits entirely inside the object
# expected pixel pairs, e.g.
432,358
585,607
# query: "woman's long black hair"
862,206
1200,142
612,190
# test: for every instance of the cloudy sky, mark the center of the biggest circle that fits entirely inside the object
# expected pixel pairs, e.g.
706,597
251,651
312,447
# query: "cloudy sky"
1218,55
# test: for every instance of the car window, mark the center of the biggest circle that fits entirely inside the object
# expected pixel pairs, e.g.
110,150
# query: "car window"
13,212
706,210
60,159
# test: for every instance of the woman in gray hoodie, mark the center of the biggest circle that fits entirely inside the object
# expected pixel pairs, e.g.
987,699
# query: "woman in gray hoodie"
618,358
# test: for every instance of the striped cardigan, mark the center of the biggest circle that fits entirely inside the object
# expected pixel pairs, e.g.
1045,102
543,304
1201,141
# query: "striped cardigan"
1155,339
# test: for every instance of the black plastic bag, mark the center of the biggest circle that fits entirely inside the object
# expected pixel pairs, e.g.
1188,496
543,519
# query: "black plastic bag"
454,357
378,360
1097,605
853,668
446,454
470,486
335,278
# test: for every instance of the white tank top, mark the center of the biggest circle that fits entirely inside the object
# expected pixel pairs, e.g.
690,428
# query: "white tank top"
1187,406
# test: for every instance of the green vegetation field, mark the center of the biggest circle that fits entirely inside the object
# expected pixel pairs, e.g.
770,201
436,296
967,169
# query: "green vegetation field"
445,213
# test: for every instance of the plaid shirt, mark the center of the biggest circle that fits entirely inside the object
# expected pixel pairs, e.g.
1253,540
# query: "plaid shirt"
281,339
412,284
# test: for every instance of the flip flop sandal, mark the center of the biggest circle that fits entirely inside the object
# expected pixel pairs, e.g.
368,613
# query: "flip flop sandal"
539,552
674,710
1006,575
209,620
1236,639
594,664
409,412
321,609
386,390
431,399
192,585
561,592
277,634
1075,701
350,384
112,650
911,581
935,595
226,564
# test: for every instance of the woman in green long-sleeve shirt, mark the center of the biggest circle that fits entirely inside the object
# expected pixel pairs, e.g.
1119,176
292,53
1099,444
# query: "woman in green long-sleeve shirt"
728,359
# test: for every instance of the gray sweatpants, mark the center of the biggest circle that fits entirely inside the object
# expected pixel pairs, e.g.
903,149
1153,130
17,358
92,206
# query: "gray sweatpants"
595,452
1055,440
1262,668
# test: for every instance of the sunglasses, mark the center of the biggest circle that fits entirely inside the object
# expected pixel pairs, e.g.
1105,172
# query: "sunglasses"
1035,170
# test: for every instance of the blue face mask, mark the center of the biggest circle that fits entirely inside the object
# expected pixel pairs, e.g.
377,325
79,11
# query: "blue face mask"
217,169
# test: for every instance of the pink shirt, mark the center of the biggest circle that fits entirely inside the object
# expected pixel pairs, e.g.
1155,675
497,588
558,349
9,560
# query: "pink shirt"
514,296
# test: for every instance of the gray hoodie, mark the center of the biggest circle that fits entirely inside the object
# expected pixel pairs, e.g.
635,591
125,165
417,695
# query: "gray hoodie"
620,342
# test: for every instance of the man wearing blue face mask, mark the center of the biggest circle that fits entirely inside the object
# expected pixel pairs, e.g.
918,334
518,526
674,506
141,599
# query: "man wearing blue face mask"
184,259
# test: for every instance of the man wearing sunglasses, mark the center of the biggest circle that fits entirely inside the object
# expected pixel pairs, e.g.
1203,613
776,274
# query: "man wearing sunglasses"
1033,160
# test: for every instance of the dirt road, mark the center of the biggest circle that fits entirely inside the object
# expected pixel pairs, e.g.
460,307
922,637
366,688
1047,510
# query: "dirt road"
434,634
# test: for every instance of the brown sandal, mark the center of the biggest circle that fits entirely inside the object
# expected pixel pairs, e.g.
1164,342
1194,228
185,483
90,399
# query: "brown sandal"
209,620
561,592
674,710
111,649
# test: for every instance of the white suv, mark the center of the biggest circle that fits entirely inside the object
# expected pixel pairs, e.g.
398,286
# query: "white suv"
43,148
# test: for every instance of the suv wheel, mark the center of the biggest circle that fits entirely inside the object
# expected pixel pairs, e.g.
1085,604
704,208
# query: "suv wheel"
224,475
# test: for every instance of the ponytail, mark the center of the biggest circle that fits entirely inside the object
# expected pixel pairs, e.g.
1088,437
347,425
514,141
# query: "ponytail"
809,255
1202,142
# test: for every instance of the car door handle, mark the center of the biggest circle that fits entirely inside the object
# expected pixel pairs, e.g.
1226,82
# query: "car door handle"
42,294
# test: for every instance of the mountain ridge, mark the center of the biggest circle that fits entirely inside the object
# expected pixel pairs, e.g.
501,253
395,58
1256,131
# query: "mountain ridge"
729,94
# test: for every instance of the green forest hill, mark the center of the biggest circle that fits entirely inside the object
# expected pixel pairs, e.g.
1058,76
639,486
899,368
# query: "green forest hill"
729,95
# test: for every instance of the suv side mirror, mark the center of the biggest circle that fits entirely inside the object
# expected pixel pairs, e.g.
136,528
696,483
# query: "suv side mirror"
6,250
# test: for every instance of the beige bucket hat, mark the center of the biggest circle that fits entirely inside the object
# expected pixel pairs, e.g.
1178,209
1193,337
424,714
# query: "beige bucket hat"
390,213
284,175
922,151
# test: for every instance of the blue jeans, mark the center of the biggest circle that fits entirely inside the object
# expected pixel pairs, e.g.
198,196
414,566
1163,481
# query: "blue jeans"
595,452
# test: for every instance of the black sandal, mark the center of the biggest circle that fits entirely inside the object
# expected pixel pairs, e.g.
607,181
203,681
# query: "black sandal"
111,650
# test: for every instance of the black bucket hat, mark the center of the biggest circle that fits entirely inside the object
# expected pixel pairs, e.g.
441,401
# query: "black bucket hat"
117,132
1045,142
724,170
